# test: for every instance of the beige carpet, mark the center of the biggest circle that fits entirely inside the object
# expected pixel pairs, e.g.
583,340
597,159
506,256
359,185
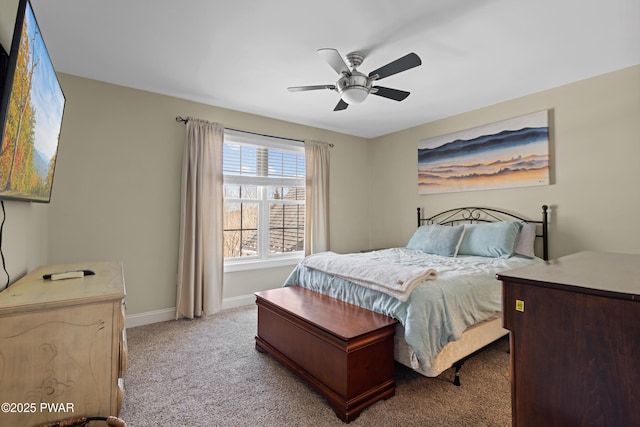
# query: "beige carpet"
206,372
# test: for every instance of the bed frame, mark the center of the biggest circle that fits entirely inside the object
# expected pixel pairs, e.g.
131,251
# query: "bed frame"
471,215
478,336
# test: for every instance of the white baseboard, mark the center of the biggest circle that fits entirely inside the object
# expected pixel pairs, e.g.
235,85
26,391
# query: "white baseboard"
146,318
234,302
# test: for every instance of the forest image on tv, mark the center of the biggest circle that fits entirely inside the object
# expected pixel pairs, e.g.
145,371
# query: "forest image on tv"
34,117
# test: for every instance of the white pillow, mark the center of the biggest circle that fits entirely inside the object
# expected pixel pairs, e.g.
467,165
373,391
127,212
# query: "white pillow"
526,241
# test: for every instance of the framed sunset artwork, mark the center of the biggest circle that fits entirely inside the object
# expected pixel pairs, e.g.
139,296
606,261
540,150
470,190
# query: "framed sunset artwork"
506,154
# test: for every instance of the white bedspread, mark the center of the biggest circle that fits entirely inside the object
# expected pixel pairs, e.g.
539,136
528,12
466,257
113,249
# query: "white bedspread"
396,280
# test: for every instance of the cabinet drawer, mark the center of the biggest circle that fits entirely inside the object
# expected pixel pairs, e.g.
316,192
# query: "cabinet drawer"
57,356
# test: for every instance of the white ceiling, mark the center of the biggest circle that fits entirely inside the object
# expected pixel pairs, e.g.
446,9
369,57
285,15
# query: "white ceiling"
243,54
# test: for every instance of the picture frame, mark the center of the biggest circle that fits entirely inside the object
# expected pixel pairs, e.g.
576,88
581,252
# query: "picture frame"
505,154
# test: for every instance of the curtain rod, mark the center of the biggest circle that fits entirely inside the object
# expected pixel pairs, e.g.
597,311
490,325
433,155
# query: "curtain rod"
185,120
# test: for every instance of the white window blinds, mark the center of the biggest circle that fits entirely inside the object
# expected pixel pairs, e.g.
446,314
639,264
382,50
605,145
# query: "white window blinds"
261,160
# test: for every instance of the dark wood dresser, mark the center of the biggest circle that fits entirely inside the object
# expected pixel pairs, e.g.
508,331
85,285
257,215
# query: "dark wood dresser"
343,351
575,340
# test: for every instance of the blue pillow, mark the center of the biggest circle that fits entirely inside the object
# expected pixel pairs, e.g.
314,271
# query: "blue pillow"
437,239
494,239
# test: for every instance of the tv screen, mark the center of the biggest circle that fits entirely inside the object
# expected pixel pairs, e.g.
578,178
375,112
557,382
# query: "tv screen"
31,112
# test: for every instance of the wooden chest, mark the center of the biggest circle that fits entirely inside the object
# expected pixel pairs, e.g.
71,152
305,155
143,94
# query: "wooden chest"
343,351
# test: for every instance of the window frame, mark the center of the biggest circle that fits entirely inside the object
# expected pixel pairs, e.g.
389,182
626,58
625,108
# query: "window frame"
263,259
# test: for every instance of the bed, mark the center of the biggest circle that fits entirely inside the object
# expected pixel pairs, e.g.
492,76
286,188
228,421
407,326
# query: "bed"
452,308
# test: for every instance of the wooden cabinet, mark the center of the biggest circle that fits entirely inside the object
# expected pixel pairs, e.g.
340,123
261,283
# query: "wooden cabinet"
62,345
575,340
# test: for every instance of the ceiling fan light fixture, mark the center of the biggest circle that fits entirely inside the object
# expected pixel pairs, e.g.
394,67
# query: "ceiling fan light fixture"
353,86
354,94
354,89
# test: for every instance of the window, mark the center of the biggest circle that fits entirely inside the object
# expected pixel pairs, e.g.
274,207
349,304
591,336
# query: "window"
264,199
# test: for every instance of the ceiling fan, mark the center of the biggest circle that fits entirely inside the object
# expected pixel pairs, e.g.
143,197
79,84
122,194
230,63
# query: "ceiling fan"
354,86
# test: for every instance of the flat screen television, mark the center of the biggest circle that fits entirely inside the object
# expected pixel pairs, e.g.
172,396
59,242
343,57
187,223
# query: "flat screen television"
31,112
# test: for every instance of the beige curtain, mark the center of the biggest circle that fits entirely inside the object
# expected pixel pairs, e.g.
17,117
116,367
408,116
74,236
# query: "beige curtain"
316,230
200,258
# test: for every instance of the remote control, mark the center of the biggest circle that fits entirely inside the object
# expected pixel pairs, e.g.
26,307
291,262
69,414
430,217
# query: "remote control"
68,275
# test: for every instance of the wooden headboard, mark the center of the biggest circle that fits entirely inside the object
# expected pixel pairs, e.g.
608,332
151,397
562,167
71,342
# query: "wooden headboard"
474,214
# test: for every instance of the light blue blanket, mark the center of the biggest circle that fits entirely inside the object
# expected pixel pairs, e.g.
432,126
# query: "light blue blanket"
438,311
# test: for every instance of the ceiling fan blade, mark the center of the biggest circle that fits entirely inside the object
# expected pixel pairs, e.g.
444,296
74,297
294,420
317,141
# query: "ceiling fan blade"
401,64
395,94
305,88
341,106
334,59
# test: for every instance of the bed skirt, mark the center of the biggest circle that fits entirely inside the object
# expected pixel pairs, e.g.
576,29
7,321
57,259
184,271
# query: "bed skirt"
473,339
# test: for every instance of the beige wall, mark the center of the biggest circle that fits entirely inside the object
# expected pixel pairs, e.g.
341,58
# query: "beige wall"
117,187
595,157
116,190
